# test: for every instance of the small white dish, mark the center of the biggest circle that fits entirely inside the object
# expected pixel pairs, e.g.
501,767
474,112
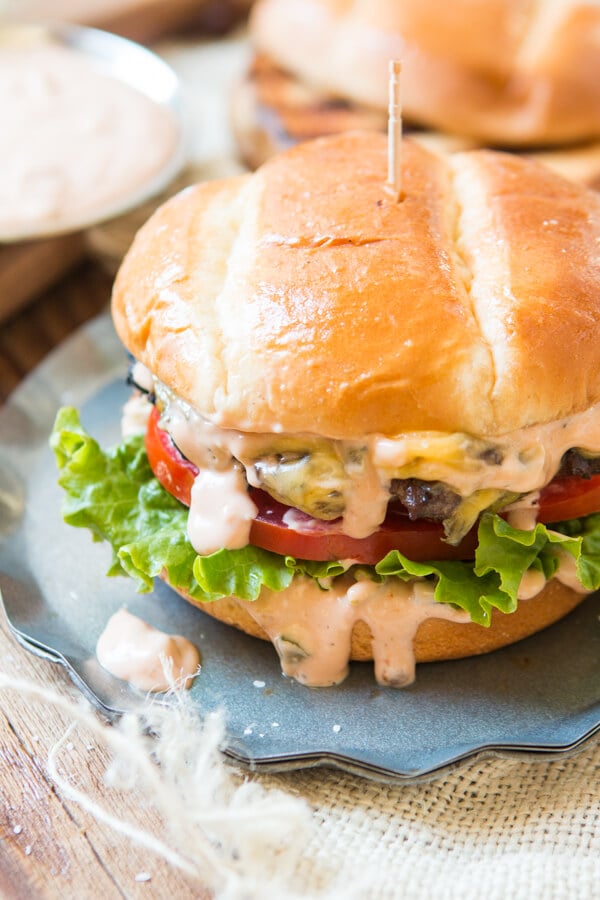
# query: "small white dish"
110,58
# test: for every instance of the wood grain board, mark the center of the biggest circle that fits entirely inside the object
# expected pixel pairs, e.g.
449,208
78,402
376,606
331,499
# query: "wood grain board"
50,848
36,329
28,268
139,20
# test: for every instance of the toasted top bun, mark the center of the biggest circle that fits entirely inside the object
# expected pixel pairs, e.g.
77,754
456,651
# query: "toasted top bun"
304,298
509,72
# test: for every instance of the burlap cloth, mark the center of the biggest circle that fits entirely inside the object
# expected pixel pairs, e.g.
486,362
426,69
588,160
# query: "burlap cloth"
495,828
500,828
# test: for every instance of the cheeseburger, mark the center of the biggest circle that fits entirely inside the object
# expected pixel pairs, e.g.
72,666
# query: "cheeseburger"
371,429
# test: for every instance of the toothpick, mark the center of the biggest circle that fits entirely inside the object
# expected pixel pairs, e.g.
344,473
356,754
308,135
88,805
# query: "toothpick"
394,180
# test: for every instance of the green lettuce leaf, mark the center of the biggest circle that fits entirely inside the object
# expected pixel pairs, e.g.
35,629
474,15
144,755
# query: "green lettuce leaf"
115,495
503,555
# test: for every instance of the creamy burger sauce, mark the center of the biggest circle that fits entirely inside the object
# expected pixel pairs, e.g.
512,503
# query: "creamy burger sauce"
74,141
136,412
311,628
147,658
220,511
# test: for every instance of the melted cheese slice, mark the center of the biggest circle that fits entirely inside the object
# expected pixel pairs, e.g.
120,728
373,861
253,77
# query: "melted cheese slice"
521,462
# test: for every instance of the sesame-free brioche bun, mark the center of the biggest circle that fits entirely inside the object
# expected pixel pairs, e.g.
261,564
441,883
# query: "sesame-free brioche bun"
304,298
508,72
435,639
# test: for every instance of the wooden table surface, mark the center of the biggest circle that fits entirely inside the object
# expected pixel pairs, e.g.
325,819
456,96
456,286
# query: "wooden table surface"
49,846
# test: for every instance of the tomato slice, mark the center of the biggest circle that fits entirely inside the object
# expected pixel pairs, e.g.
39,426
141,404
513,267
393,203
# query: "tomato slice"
420,540
172,469
568,498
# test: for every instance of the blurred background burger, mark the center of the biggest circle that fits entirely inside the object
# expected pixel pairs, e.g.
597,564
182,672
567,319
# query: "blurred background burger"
511,74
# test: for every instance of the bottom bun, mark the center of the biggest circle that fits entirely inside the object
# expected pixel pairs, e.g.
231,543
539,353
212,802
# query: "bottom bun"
435,639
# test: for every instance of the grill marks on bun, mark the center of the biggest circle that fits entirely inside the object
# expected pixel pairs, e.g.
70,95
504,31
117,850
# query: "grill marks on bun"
303,299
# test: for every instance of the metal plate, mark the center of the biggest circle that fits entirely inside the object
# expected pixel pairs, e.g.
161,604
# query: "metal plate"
540,697
135,66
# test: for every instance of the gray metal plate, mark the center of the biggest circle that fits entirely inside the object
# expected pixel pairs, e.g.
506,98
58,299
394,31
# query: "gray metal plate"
540,697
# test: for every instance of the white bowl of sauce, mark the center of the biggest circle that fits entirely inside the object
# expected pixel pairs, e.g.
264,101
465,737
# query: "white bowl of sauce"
91,126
